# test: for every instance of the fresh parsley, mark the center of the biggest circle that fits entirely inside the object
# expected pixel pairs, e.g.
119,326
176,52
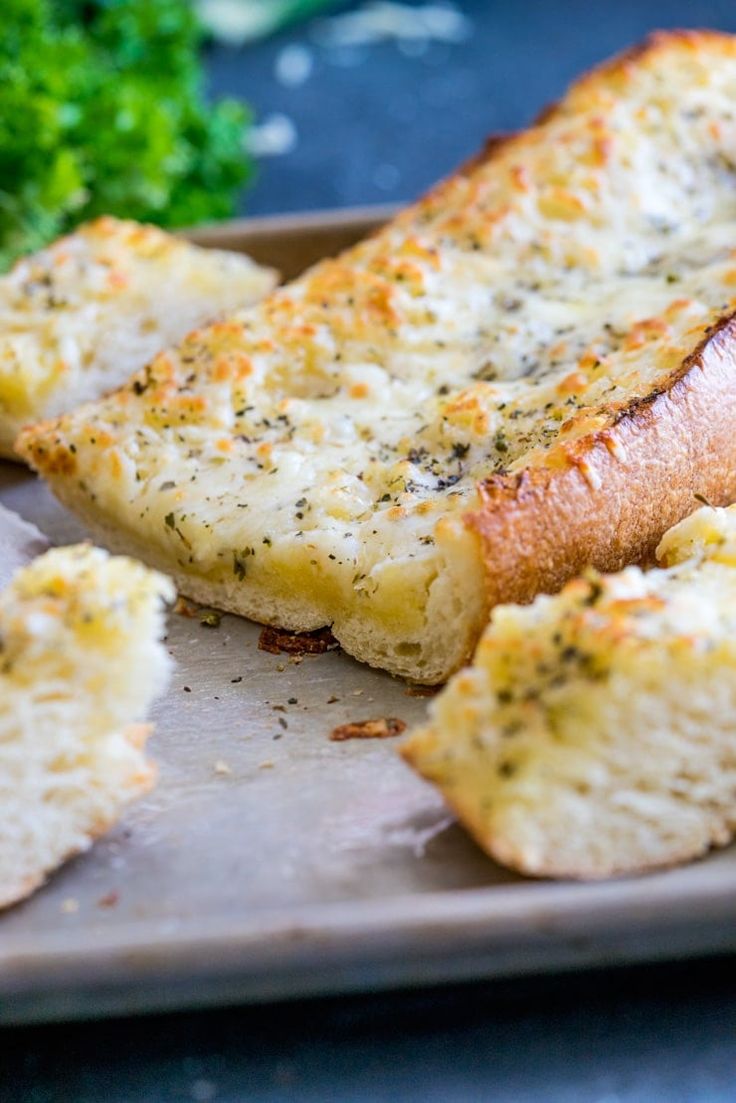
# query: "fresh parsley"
102,111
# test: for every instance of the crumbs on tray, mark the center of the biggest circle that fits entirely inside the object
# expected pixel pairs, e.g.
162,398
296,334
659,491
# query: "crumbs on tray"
368,729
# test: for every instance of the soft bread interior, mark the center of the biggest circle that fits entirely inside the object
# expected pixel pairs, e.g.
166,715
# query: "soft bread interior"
80,664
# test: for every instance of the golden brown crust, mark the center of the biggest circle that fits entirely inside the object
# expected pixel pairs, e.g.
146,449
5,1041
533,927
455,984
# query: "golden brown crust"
605,499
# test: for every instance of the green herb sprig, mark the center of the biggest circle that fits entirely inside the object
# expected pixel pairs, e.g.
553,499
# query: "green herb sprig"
102,111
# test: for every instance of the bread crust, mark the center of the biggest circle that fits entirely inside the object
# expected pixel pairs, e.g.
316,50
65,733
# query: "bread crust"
605,499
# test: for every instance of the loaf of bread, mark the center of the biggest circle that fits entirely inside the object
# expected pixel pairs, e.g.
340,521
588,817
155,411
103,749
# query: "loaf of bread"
78,318
531,370
81,663
595,733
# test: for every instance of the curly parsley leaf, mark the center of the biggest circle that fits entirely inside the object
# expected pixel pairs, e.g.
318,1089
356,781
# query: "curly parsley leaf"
102,111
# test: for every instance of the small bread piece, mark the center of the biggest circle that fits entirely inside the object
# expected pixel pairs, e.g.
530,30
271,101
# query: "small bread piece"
531,370
81,663
595,733
79,317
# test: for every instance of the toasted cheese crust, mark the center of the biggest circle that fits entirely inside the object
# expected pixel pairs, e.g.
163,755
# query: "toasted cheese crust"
460,410
80,661
79,317
593,734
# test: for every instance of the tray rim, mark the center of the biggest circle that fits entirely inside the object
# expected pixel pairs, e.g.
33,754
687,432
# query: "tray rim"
210,234
409,940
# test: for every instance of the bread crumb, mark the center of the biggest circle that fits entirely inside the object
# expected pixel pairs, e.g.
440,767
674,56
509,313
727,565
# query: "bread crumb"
185,608
210,618
222,767
69,906
296,644
421,691
267,764
368,729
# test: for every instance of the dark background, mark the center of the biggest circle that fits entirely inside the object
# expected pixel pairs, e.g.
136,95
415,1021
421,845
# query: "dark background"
374,125
380,126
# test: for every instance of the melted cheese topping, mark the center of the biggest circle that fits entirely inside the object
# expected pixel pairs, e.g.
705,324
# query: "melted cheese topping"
319,442
77,318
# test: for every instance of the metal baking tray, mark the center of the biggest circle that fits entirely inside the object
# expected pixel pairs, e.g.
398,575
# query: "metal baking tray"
273,862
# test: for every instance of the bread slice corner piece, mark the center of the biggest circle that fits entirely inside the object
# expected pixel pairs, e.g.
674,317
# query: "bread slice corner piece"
81,663
80,316
529,371
595,733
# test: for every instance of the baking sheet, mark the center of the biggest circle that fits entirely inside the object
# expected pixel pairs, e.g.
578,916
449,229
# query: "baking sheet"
272,862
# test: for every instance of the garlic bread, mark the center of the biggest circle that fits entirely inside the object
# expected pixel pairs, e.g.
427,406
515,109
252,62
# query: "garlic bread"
81,663
595,732
79,317
530,370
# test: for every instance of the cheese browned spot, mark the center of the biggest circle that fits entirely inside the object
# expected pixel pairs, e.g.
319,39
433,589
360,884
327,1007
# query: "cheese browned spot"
498,387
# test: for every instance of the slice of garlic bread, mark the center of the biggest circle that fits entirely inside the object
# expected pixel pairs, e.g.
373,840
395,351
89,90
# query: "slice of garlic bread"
530,370
595,732
81,663
78,318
